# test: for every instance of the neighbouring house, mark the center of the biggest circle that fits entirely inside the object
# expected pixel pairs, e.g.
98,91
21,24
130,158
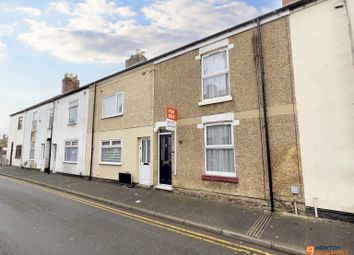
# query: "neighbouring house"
49,135
122,106
15,139
3,149
70,117
323,61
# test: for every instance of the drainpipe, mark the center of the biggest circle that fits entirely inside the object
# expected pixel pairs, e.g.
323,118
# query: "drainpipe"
51,140
93,130
350,31
260,70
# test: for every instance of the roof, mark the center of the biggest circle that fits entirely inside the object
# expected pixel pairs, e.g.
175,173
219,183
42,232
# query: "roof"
291,6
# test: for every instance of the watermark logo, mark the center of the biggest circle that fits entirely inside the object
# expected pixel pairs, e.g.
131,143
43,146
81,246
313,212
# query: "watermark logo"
325,250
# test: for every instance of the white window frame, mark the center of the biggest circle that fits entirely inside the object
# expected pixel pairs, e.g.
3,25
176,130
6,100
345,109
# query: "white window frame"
35,121
71,146
20,120
226,71
111,146
231,146
116,106
32,150
74,104
51,118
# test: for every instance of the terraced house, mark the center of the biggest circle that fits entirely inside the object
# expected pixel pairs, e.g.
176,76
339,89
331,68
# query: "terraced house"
264,116
222,141
121,121
49,134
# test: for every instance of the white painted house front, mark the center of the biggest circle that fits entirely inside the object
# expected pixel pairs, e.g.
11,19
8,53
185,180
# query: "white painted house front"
16,139
323,62
36,140
69,133
52,134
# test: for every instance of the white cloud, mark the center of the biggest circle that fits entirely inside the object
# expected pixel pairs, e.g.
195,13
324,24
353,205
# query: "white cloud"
28,10
5,30
103,31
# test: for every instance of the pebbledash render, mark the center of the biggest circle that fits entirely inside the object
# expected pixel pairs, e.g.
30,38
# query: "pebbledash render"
218,147
249,101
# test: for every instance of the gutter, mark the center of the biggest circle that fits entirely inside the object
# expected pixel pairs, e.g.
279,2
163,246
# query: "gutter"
261,80
93,130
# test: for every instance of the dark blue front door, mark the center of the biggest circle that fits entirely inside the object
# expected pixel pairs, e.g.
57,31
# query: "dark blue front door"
165,159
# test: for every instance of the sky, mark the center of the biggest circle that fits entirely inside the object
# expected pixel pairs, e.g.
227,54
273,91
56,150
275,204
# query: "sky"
42,40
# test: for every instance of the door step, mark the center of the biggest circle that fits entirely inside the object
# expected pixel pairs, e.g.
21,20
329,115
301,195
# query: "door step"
164,187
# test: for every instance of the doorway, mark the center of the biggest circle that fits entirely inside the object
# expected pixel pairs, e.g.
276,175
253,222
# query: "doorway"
145,161
165,159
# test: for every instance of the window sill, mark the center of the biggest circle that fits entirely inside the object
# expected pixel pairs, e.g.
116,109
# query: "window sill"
110,164
219,178
69,162
112,116
71,124
215,100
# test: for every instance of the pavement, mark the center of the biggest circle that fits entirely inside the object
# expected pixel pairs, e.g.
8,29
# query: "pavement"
278,231
37,220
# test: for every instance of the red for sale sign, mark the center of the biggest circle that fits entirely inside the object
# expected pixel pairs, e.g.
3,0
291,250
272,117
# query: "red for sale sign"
171,114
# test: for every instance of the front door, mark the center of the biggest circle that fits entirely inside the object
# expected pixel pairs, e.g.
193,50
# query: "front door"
144,159
165,159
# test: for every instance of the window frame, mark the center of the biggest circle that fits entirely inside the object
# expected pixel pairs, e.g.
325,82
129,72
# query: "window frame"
35,121
76,102
116,114
51,118
111,146
231,146
20,123
18,148
71,141
32,149
226,71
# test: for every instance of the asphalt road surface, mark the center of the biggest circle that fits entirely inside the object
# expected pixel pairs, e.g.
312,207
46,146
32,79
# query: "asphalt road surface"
35,220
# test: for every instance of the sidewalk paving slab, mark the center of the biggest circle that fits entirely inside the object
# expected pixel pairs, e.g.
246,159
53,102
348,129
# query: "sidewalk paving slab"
285,232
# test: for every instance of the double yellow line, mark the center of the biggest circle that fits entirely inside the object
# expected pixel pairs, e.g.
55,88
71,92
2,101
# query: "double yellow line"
159,224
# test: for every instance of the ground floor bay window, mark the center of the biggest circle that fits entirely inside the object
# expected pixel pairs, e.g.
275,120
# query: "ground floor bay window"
219,150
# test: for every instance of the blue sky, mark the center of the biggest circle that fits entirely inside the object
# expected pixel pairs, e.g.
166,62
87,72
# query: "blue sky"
41,40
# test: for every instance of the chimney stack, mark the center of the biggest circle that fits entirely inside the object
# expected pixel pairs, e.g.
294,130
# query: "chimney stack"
135,59
286,2
69,83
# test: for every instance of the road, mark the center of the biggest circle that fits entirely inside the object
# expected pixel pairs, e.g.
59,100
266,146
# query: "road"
35,220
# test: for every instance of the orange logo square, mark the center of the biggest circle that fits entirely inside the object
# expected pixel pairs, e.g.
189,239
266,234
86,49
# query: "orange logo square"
310,250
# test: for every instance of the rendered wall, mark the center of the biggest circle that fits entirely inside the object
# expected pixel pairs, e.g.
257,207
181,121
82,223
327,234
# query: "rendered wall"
63,131
42,134
324,78
178,84
135,122
15,136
